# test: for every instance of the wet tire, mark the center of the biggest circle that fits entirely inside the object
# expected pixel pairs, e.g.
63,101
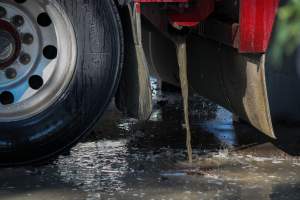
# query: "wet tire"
99,58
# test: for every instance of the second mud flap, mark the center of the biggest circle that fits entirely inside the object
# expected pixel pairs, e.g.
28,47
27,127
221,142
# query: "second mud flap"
231,79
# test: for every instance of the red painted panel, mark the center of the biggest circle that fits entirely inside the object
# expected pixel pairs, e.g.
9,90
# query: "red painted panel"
256,23
162,1
192,16
187,16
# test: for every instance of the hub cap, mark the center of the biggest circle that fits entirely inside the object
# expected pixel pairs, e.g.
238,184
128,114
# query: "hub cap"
10,44
7,46
37,56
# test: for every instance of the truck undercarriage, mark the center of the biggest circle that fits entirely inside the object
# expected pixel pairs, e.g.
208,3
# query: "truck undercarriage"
226,46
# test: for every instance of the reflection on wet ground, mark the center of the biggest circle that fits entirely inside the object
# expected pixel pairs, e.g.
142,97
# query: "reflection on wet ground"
126,159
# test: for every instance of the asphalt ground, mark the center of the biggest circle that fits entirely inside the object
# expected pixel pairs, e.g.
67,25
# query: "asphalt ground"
127,159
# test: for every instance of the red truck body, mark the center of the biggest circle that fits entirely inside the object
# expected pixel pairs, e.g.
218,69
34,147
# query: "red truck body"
255,25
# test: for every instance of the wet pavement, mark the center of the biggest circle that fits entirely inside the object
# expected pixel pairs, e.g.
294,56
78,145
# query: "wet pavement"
127,159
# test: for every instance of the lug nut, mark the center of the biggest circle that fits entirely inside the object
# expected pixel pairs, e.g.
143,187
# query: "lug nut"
11,73
2,12
25,58
18,20
27,38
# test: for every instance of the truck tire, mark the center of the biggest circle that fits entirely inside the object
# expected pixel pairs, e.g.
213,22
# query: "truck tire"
60,63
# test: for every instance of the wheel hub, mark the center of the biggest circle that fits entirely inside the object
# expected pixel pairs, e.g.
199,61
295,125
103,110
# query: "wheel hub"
37,56
9,44
6,46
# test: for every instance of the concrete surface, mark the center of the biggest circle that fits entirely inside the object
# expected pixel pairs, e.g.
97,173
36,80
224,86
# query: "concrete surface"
126,159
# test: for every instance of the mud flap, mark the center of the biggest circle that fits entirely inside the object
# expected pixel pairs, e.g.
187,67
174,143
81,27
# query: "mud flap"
134,96
255,98
233,80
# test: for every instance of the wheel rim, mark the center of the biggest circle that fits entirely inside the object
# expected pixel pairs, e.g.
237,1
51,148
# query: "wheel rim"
37,56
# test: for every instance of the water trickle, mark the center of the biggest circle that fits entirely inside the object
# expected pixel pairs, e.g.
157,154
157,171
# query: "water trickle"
182,63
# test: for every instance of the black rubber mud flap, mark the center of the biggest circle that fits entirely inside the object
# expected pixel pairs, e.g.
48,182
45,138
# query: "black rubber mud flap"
134,96
235,81
250,101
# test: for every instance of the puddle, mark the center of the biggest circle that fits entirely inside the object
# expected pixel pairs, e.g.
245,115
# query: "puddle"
126,159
